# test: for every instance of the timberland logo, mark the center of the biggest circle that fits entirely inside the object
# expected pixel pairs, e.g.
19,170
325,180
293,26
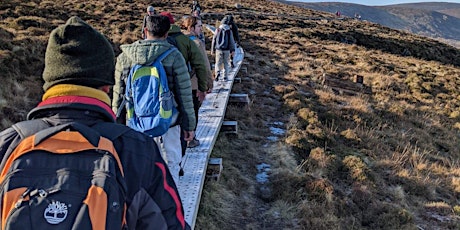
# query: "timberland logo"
56,212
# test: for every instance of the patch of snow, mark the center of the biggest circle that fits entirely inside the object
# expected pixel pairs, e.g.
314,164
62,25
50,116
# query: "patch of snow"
277,131
262,175
278,123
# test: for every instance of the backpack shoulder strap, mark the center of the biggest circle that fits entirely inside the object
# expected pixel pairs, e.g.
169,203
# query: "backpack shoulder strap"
172,38
30,127
43,130
90,134
165,54
161,69
110,130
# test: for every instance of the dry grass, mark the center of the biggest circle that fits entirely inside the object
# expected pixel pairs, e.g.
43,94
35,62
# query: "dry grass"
384,155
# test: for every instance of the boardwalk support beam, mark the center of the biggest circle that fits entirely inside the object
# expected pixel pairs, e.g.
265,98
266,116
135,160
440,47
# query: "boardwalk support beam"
214,169
229,127
239,99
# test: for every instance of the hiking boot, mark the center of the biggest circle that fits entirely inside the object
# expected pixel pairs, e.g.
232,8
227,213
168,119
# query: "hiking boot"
225,79
193,143
217,77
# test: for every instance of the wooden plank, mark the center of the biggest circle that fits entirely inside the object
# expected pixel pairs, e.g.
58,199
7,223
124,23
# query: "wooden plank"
215,102
195,161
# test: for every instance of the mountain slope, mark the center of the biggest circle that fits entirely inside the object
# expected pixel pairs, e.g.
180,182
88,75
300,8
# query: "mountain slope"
335,154
452,9
436,20
428,23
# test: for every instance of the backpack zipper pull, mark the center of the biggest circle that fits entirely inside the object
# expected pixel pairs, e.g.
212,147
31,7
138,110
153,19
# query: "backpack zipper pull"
21,199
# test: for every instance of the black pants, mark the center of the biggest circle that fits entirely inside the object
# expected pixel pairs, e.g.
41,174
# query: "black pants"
196,107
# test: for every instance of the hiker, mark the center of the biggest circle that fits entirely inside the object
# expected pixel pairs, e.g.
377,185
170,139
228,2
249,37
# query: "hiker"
236,36
195,6
194,59
150,12
145,52
224,45
78,74
337,13
357,16
196,13
193,27
232,24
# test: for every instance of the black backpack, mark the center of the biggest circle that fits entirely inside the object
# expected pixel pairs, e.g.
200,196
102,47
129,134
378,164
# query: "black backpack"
63,177
173,41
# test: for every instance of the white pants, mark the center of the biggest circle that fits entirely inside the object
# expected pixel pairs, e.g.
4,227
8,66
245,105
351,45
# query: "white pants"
170,148
222,60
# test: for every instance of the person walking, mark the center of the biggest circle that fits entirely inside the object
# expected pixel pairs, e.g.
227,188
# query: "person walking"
224,46
236,35
193,29
195,6
145,52
150,11
194,59
197,13
78,74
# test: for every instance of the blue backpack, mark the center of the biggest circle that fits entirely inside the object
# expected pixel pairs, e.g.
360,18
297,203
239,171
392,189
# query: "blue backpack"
150,104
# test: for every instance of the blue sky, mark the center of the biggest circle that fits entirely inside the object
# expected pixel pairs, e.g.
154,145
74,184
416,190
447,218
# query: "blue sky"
378,2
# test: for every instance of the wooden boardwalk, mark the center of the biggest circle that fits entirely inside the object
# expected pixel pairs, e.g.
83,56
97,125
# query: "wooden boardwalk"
210,118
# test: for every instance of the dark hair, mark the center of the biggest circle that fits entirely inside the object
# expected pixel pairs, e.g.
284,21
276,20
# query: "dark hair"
158,25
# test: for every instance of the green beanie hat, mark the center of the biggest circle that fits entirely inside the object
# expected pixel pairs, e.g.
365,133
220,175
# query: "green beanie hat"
78,54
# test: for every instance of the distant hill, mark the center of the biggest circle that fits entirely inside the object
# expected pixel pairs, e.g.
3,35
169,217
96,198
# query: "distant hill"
437,20
452,9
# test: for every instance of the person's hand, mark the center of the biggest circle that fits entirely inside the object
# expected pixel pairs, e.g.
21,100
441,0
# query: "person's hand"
189,135
200,95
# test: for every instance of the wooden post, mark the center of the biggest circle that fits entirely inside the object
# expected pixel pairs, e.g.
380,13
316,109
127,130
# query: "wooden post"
359,79
214,168
229,127
239,99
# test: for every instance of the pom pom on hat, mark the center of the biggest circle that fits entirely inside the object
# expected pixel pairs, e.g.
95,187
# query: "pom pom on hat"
169,15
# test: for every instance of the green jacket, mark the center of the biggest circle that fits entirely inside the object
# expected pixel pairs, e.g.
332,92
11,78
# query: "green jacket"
146,51
192,55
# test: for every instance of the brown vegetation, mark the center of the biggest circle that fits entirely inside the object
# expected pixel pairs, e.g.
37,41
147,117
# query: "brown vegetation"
386,157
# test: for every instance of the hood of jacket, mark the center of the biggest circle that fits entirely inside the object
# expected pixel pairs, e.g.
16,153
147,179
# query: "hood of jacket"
224,27
145,51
